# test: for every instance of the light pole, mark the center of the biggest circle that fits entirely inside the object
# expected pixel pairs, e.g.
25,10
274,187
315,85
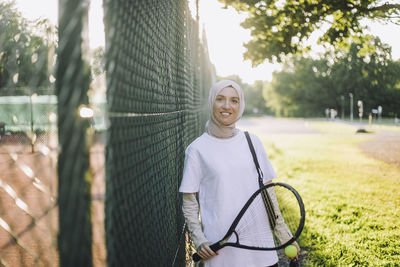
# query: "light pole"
380,114
342,98
360,109
351,107
33,135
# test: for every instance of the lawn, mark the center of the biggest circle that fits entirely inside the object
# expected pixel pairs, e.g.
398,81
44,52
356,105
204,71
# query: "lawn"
352,201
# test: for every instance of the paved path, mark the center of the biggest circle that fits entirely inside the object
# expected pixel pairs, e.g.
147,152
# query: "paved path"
384,145
272,125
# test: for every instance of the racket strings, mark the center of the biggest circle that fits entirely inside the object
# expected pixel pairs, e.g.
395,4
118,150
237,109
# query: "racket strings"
269,208
289,215
254,228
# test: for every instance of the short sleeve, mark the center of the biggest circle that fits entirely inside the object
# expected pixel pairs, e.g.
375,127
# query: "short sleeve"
265,164
191,175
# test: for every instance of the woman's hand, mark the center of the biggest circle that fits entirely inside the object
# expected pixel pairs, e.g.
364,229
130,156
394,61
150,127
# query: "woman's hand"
205,252
298,249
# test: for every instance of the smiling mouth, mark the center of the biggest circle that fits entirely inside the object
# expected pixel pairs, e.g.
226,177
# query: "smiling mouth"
225,113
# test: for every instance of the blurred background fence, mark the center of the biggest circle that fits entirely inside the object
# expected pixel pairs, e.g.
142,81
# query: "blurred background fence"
28,141
89,177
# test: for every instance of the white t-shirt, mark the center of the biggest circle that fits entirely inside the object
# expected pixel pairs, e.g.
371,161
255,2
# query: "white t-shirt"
222,171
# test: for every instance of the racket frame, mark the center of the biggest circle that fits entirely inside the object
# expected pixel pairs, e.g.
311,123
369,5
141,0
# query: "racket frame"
224,241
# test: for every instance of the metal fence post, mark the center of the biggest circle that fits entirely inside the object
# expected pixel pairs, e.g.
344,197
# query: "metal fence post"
74,178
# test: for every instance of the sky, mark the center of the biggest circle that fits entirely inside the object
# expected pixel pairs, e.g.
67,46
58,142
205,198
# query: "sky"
225,36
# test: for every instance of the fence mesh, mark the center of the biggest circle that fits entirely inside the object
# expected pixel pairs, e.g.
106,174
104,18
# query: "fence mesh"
157,77
28,142
83,189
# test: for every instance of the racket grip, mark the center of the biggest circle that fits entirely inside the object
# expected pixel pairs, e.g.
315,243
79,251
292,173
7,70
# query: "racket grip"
196,257
294,263
214,247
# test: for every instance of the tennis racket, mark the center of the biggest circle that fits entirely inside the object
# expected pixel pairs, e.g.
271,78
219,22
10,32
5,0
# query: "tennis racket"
271,219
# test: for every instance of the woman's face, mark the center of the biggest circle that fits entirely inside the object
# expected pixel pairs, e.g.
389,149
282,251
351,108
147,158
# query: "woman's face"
226,106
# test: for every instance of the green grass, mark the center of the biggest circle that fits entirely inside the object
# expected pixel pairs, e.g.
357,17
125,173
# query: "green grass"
352,201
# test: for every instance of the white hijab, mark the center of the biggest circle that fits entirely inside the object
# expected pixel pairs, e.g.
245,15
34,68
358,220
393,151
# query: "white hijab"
213,127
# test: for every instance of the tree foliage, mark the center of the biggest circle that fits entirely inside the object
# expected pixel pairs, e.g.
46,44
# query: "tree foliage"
26,51
306,87
97,61
255,101
280,28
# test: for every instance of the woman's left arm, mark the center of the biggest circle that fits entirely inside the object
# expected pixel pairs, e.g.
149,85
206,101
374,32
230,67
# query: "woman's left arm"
281,229
190,208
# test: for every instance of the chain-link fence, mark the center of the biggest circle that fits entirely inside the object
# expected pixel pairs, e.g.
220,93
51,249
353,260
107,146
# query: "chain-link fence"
59,137
158,74
28,143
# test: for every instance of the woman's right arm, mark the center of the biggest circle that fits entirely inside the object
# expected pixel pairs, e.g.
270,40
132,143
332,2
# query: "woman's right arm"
190,208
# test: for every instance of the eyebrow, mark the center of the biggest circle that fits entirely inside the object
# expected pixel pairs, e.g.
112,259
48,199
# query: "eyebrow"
230,97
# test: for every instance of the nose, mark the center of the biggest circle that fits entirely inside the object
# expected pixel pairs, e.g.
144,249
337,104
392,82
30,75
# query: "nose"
226,104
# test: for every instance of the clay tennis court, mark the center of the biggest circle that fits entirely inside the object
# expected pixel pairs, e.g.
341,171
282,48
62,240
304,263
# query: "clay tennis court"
28,208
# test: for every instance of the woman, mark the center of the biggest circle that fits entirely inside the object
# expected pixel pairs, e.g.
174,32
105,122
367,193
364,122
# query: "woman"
219,168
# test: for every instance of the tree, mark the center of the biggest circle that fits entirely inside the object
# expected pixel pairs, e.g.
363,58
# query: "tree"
306,86
280,28
301,89
25,51
255,102
369,74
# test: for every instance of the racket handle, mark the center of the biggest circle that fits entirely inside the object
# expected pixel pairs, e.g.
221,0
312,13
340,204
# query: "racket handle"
294,263
214,247
196,257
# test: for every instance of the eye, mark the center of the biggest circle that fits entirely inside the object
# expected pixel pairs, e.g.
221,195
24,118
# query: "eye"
236,101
